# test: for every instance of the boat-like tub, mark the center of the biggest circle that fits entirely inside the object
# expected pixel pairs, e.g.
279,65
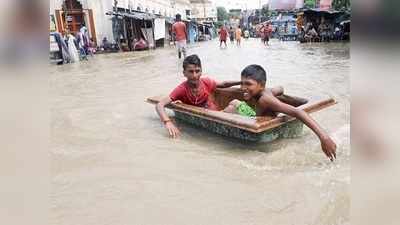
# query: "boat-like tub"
257,129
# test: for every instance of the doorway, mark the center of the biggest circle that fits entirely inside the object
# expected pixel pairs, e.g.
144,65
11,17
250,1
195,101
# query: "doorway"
72,15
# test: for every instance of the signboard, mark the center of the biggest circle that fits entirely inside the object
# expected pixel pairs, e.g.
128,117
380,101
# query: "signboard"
325,4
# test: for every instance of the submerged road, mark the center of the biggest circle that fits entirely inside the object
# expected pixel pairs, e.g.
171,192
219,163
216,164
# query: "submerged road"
113,163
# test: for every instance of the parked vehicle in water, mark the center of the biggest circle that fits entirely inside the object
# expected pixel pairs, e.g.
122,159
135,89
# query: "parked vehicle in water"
55,51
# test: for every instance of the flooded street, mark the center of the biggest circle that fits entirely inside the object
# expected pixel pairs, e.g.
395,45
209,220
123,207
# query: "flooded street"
114,164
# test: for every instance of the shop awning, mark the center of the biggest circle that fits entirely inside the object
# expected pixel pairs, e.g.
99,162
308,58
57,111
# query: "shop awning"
319,10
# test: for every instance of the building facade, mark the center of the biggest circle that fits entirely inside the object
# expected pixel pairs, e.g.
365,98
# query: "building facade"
72,14
166,8
184,8
203,10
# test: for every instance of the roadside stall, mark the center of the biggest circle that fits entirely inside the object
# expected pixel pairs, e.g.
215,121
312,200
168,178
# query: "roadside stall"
133,30
322,23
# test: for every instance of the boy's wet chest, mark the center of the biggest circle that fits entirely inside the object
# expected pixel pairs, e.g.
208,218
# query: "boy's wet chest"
263,110
198,95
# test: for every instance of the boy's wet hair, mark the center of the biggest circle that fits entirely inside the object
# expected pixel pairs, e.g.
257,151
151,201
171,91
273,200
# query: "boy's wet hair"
191,60
255,72
178,17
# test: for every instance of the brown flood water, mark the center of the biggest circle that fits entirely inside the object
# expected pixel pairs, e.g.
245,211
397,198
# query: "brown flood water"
113,163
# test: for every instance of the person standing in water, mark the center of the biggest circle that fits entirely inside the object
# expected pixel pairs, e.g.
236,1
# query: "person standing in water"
179,34
238,35
266,30
223,34
72,48
232,35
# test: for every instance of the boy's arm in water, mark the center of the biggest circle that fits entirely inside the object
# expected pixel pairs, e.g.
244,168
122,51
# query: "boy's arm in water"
227,84
160,108
270,102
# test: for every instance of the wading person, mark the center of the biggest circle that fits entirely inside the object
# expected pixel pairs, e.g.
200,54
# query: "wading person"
223,34
238,35
265,37
266,32
196,90
72,48
232,35
179,33
254,79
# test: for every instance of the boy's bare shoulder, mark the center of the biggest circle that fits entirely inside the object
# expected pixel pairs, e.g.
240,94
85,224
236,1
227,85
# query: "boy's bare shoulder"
267,96
264,104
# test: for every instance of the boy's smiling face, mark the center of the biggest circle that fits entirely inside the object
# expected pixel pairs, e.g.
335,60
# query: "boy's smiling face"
251,88
193,74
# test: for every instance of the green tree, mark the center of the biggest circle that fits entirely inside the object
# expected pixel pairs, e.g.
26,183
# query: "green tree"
341,4
222,14
309,3
265,11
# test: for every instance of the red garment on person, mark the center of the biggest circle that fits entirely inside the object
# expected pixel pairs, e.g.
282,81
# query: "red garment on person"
203,99
179,28
223,34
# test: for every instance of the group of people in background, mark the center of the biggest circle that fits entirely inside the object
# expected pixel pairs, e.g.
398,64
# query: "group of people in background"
233,34
236,34
321,32
75,48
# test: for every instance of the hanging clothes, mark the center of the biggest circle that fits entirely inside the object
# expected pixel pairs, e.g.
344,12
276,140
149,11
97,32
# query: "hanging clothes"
159,28
148,34
192,33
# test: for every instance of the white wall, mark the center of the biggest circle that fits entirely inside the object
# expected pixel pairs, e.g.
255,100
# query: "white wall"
198,10
102,22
